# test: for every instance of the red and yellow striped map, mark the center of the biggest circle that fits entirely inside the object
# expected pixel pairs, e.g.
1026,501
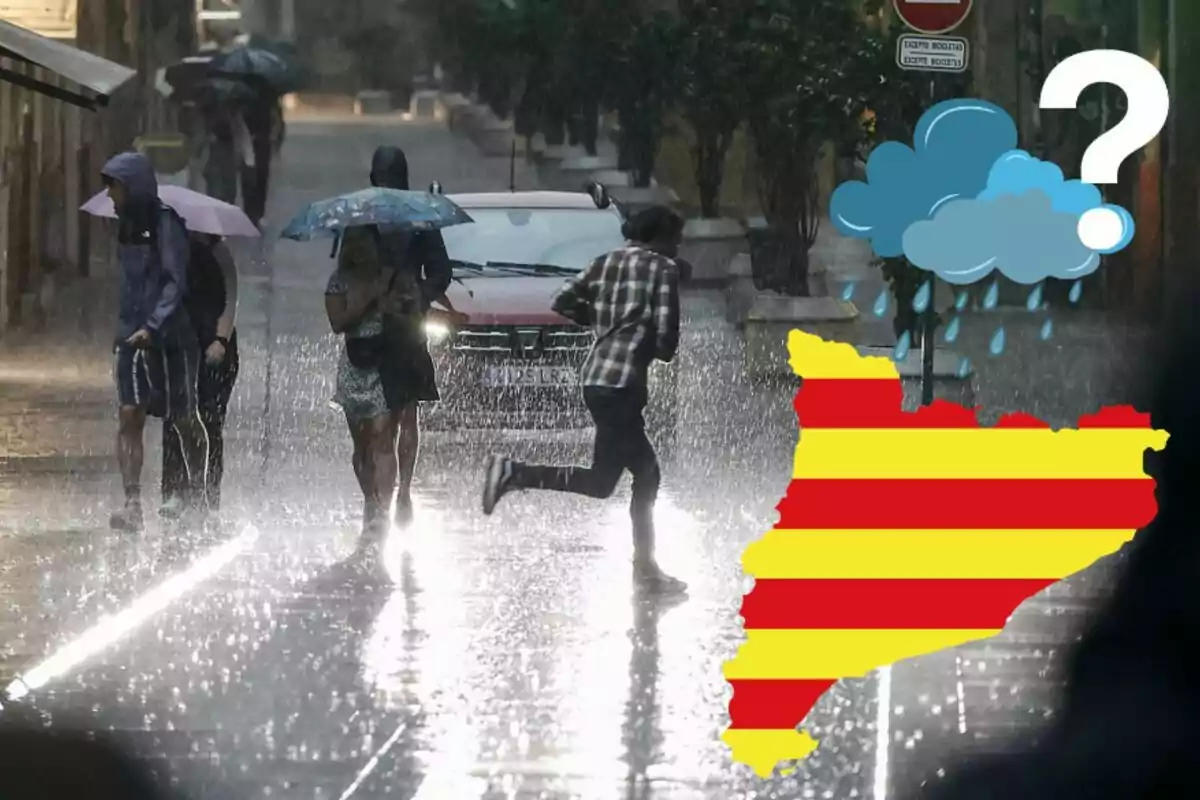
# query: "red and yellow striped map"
907,533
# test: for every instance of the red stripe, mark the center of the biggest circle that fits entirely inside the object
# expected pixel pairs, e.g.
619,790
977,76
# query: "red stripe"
886,604
968,504
1115,417
876,403
773,704
871,403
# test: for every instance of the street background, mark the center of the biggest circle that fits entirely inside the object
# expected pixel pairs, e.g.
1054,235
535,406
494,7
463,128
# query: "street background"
501,664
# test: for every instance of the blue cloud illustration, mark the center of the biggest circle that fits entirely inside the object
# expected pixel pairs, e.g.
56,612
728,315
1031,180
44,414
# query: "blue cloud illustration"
1021,236
1017,172
955,146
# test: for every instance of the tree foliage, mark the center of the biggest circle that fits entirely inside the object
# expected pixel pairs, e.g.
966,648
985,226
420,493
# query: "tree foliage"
712,88
643,85
808,83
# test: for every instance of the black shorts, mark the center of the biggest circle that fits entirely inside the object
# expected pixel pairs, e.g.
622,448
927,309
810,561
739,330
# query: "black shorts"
162,381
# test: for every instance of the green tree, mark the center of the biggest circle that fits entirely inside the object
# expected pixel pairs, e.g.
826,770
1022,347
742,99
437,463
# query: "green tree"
644,85
712,88
809,74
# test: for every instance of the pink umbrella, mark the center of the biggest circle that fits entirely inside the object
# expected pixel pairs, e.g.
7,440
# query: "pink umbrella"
200,212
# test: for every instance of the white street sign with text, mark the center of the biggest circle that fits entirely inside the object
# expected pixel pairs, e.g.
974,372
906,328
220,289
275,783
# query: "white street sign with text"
932,53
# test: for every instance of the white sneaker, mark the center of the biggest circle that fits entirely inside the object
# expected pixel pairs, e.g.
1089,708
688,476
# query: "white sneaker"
171,508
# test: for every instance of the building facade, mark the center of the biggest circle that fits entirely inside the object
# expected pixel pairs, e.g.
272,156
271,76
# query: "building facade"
52,151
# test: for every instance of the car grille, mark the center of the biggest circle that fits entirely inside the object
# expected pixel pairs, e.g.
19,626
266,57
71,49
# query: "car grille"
524,342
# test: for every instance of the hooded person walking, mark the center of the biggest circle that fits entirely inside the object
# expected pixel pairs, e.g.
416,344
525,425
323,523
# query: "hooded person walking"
156,351
377,299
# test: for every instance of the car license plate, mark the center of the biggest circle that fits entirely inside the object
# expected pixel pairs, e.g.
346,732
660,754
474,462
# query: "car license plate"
530,375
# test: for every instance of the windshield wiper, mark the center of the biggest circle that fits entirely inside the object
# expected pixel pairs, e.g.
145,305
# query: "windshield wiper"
544,269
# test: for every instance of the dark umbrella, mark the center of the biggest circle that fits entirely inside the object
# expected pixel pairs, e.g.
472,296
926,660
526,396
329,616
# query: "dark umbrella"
193,80
263,67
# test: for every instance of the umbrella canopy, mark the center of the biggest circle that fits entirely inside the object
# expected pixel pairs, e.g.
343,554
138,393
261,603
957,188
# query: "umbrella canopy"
201,213
196,79
259,65
387,208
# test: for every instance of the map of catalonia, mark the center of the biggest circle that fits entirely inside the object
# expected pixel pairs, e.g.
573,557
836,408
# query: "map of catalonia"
907,533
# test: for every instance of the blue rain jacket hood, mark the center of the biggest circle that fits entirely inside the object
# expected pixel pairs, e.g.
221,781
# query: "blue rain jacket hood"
152,253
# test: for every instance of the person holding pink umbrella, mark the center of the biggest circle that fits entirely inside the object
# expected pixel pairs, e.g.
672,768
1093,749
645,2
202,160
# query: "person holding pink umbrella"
210,302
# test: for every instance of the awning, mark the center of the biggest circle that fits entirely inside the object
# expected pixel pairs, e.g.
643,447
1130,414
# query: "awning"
98,76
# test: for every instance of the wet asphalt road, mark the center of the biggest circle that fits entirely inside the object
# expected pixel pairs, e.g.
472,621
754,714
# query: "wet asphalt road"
508,658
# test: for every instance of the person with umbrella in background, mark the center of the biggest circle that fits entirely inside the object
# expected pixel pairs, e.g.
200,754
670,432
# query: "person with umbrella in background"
424,271
157,355
229,141
256,160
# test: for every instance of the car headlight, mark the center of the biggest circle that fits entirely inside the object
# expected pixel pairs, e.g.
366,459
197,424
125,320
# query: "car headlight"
437,332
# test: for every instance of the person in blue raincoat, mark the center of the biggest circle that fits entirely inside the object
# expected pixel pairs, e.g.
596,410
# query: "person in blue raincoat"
157,357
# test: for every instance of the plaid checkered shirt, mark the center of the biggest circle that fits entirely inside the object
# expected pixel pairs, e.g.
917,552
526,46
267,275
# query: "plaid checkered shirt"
630,300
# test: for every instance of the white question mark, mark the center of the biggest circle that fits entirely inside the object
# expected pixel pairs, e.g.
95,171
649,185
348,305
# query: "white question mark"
1148,101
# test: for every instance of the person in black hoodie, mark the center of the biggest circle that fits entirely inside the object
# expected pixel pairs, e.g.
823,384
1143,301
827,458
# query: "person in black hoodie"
256,177
211,303
1127,726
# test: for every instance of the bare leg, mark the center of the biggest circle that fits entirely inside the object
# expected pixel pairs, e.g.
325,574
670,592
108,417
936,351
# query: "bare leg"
130,454
383,433
408,446
360,434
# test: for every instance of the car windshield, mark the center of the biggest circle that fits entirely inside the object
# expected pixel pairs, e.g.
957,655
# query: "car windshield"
564,238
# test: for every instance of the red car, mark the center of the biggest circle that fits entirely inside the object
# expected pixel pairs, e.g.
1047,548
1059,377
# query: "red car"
515,363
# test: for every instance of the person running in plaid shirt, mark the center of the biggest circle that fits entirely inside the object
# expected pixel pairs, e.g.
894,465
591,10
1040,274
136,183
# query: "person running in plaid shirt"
630,299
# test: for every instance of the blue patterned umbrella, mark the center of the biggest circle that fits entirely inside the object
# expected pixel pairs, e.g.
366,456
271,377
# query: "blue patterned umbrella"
388,208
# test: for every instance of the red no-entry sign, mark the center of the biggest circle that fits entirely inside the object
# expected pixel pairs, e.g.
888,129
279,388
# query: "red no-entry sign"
933,16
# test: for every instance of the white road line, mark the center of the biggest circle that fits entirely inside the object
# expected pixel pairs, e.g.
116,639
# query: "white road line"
109,630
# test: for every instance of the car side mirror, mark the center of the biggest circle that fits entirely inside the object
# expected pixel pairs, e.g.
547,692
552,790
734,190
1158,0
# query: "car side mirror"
685,270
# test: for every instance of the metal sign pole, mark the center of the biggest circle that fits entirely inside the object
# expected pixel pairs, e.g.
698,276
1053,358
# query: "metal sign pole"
928,342
927,48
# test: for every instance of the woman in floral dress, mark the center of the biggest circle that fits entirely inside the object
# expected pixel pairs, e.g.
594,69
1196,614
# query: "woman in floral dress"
385,368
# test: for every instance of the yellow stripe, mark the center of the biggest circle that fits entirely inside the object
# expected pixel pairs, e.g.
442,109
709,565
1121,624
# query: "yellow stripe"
814,654
932,554
762,750
813,357
983,453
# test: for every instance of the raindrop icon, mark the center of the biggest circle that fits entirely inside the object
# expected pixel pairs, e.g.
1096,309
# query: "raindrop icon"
881,303
922,297
952,330
964,368
848,292
900,351
992,298
1034,301
1047,330
960,302
999,339
1076,291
